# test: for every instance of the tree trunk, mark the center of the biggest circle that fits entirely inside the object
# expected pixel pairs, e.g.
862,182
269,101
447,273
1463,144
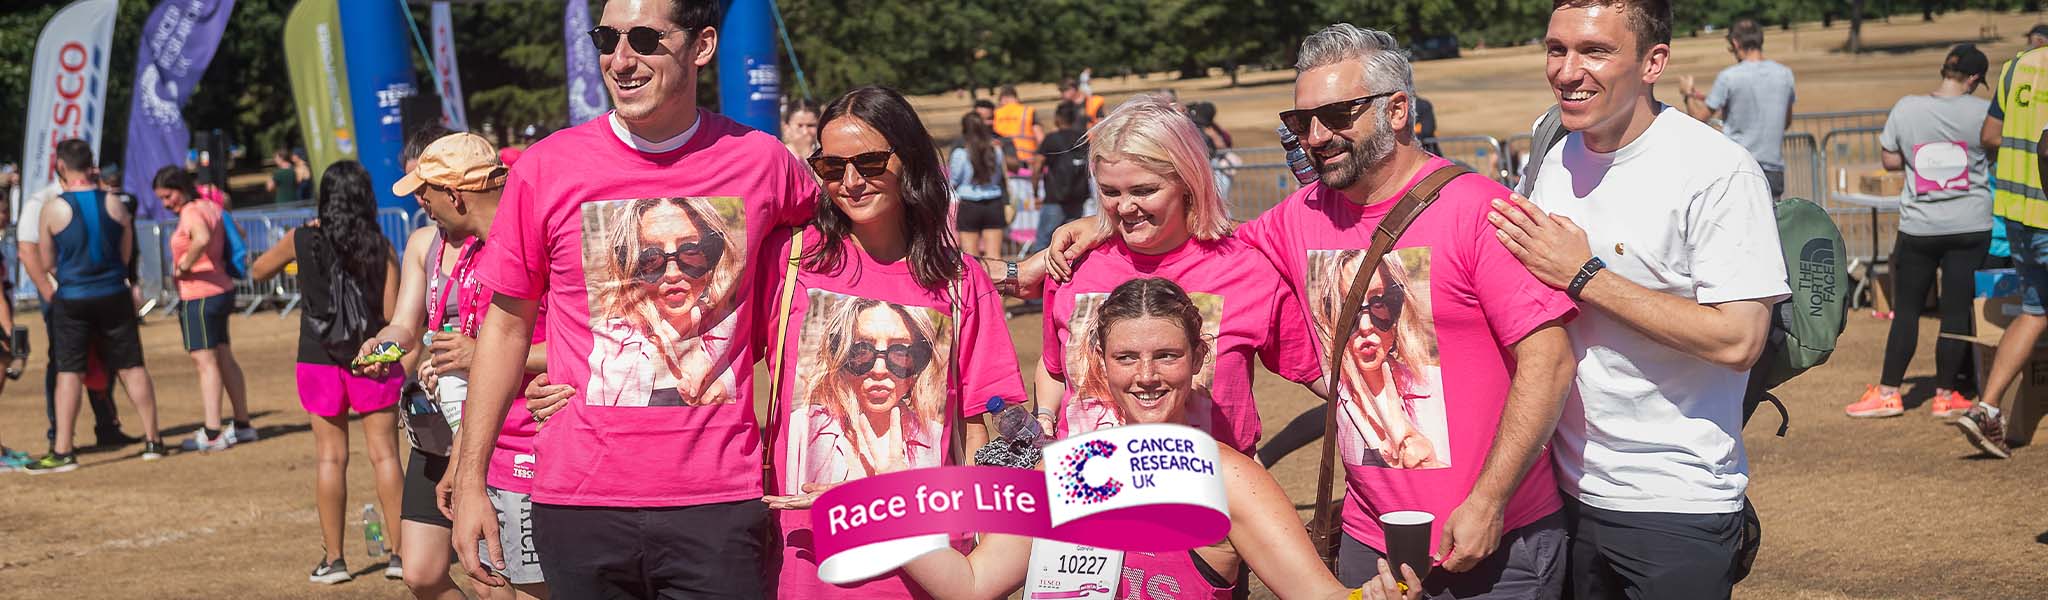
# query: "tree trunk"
1232,67
1855,43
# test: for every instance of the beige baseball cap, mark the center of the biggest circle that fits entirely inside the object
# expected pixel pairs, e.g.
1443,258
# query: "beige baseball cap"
459,161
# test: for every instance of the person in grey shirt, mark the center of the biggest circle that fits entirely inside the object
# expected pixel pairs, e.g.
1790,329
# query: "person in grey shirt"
1753,98
1944,224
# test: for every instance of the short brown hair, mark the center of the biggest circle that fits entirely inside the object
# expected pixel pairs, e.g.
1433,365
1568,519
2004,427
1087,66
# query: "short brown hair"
1650,20
1746,35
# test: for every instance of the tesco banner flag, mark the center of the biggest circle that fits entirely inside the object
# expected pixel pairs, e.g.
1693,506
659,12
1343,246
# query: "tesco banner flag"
67,94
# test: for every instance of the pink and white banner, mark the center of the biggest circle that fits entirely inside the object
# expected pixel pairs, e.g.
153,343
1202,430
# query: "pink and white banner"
445,71
1149,488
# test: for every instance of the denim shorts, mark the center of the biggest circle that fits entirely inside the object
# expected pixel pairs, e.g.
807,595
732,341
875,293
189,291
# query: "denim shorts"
2030,258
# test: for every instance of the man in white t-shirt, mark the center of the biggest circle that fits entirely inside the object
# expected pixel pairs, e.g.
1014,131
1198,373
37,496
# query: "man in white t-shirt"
1663,230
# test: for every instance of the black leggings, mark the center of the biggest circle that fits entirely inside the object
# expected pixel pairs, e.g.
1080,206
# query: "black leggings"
1914,261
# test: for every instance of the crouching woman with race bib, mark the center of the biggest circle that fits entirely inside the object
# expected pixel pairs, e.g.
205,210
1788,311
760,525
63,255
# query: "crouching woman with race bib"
1150,343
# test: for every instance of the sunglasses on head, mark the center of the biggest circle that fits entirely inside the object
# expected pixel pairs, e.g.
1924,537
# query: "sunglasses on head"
1384,308
868,164
643,39
902,360
1336,116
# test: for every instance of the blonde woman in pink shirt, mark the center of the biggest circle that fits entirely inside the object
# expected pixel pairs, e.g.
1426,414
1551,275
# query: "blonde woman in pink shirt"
1164,217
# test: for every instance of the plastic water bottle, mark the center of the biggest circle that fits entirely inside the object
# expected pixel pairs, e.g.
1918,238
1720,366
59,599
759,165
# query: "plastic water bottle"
1297,158
373,530
451,389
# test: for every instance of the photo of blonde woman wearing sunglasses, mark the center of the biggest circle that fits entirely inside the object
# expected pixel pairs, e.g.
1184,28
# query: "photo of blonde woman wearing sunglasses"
1391,385
663,276
872,390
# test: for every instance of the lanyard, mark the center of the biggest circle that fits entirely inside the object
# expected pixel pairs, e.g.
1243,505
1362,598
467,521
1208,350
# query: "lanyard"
471,297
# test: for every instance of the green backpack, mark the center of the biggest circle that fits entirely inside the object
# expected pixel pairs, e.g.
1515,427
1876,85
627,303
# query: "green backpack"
1805,325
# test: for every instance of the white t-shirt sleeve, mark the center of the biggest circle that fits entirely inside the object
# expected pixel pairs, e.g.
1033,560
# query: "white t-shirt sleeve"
29,230
1734,241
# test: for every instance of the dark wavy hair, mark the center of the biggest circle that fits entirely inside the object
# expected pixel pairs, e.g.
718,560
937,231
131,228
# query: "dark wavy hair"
173,177
348,226
934,256
980,141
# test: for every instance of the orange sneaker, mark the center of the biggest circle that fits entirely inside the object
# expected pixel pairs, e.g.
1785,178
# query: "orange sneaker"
1876,403
1948,404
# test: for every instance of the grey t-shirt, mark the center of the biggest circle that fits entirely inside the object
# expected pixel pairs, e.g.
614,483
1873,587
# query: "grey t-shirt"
1946,190
1757,96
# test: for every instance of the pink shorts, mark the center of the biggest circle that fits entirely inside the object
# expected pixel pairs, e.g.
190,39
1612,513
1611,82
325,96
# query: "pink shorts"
330,391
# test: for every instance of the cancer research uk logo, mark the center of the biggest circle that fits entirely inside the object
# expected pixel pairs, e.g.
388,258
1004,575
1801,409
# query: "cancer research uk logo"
1074,483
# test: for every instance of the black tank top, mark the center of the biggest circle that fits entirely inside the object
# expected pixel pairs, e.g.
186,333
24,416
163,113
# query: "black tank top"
316,298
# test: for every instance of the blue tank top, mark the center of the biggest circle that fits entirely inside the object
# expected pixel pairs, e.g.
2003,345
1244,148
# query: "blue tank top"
89,258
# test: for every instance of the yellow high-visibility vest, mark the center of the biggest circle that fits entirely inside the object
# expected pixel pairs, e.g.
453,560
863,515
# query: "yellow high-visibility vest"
2022,93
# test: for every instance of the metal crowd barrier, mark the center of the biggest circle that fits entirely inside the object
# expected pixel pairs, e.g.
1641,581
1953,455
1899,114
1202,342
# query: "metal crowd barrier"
261,230
1480,153
1820,124
1803,178
1868,229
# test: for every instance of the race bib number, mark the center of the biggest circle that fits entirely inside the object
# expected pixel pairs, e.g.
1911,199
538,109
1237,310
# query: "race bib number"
1060,570
1941,166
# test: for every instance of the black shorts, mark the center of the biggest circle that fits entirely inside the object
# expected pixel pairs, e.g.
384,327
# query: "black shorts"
77,323
1618,554
205,321
704,551
981,215
422,471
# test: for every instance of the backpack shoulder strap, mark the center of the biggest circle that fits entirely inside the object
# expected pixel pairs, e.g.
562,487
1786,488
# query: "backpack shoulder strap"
1384,236
1549,131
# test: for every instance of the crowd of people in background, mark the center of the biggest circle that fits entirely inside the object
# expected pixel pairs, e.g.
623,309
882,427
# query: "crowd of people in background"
1555,372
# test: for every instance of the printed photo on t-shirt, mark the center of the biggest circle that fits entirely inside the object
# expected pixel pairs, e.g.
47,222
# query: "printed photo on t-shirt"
663,276
871,384
1091,405
1390,387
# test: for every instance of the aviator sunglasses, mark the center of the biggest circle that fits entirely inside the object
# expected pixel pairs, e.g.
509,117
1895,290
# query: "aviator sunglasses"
643,39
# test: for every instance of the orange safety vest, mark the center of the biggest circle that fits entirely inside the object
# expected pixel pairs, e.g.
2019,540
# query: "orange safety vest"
1092,108
1013,121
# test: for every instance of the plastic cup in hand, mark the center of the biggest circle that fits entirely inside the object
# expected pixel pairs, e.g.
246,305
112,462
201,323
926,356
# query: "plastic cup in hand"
1407,534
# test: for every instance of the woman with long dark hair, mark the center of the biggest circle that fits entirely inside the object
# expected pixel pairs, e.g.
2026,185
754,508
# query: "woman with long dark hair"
349,276
877,310
976,173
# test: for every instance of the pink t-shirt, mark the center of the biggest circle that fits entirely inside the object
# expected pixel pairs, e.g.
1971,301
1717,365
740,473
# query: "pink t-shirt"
1446,307
1246,310
838,420
512,465
206,279
1168,575
646,261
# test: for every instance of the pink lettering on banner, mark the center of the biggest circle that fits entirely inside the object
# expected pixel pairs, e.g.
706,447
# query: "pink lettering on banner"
1147,488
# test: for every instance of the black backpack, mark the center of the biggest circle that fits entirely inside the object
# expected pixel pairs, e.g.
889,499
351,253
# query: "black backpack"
1803,327
1066,174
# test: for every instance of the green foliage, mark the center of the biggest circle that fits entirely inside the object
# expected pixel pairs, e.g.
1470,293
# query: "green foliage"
510,51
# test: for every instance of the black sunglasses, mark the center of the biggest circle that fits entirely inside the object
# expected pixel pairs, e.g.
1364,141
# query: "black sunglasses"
869,164
694,258
1385,307
902,360
643,39
1336,116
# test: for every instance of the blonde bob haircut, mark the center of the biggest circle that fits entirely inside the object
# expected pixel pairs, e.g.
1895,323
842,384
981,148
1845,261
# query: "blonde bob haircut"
1151,132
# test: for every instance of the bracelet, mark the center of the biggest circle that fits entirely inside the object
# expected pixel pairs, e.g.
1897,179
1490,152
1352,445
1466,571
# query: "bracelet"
1009,281
1593,266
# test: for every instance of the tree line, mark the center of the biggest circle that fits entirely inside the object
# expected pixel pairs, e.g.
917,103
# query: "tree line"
510,52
